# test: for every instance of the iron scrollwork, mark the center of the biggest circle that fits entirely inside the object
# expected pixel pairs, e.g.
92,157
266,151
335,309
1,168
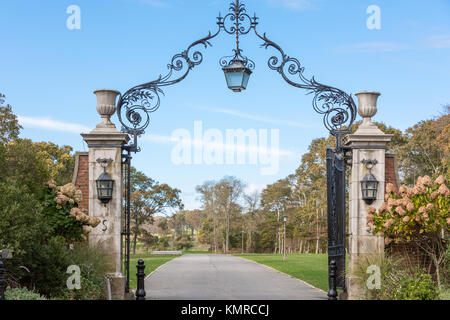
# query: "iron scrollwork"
135,106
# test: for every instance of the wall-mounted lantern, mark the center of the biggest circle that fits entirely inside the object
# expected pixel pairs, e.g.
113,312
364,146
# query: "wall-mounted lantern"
105,185
369,184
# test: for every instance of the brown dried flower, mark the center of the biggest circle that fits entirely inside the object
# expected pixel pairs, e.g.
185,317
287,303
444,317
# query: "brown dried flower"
443,189
390,188
410,206
400,211
439,180
426,180
51,184
403,190
371,210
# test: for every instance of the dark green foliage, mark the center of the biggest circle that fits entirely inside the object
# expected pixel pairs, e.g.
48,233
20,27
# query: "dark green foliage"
418,286
21,161
18,211
47,263
183,243
22,294
94,264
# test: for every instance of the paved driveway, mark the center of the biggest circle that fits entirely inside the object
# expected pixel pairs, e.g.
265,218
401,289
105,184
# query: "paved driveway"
224,277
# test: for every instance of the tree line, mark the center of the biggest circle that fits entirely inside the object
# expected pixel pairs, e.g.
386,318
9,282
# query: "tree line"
231,220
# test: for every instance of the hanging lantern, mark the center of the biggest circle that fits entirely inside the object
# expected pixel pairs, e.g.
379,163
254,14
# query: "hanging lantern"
104,183
369,184
237,75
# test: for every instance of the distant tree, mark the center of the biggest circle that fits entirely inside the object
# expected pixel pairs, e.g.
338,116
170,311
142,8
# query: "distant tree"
427,150
9,124
60,161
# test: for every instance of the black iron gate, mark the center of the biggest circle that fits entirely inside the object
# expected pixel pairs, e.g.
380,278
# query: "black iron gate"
336,221
126,232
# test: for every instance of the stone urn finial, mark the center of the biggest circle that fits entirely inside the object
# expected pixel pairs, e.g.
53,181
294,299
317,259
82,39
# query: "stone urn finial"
106,106
367,105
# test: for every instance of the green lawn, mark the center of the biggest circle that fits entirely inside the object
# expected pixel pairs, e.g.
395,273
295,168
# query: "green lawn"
151,263
311,268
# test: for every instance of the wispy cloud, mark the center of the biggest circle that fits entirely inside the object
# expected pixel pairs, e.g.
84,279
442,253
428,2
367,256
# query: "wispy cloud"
440,41
259,118
50,124
292,4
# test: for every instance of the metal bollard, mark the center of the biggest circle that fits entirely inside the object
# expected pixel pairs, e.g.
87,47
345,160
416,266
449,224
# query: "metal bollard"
332,293
2,281
140,291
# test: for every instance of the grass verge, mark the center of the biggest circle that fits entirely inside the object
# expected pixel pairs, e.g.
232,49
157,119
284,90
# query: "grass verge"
152,262
311,268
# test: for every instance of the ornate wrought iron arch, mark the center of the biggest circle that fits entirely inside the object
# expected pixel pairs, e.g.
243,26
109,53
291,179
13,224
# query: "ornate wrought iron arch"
337,107
135,106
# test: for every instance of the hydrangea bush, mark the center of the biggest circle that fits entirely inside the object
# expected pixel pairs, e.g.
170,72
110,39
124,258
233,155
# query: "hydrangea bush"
63,214
419,214
409,212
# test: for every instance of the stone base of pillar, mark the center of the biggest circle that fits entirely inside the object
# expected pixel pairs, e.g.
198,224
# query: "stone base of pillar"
117,283
355,286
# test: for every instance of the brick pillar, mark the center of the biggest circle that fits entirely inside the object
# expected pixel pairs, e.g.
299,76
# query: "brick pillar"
391,171
81,177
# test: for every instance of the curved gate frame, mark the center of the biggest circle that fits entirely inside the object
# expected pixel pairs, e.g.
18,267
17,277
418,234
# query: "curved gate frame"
337,107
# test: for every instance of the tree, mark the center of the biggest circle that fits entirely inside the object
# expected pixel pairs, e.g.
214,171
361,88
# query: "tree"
209,203
228,192
220,201
9,124
426,151
60,162
276,198
193,219
252,217
149,198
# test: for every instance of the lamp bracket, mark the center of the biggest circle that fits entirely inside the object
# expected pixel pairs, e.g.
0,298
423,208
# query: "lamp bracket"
369,164
104,162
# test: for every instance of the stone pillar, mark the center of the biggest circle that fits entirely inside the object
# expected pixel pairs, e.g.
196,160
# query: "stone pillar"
106,142
367,143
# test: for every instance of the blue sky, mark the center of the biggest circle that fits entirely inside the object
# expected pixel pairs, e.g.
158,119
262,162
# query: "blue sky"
49,72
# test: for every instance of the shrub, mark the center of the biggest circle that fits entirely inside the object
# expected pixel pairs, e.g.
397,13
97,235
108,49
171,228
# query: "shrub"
94,264
418,286
396,282
418,215
47,263
183,243
22,294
